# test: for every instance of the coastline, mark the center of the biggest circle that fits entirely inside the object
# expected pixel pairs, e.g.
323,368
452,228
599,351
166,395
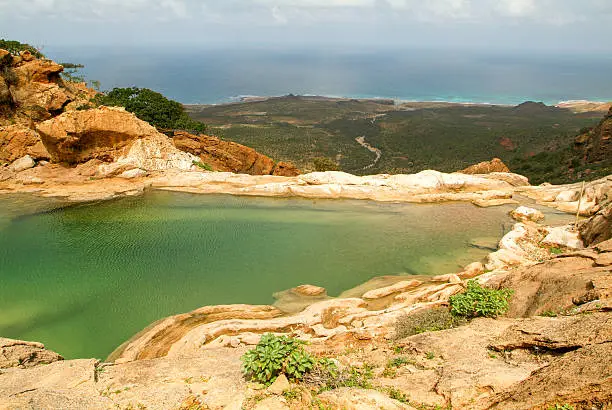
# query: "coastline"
577,105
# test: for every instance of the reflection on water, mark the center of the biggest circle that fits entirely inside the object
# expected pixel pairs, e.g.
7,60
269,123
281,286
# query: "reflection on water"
83,279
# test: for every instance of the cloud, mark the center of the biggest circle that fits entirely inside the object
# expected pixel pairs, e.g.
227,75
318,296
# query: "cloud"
316,21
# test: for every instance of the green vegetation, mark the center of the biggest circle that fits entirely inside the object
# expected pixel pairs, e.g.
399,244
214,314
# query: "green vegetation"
71,72
152,107
561,407
430,355
478,301
397,394
15,47
328,377
430,320
412,137
322,164
274,355
398,361
203,165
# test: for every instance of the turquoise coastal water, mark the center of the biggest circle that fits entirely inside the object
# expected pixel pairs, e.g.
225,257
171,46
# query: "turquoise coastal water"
211,76
83,279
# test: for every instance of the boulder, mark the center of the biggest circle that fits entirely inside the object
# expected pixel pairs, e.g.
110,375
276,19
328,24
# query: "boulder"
562,237
567,196
280,385
17,141
22,164
472,270
224,155
39,89
103,133
308,290
486,167
17,353
525,214
598,228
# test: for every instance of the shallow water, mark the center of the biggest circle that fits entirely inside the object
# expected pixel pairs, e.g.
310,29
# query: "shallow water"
83,279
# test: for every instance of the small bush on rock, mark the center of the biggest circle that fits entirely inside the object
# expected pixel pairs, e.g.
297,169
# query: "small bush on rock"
274,355
431,320
478,301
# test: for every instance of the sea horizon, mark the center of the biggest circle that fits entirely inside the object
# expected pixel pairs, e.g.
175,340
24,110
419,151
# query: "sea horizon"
219,76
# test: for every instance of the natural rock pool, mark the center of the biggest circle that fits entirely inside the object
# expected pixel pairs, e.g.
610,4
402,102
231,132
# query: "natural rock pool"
85,278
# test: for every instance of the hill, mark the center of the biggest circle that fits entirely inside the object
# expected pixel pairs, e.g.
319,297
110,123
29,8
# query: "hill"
409,137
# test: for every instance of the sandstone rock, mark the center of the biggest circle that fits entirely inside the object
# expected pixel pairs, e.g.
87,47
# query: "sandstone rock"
563,237
26,56
272,403
555,285
16,141
472,270
486,167
598,228
133,173
567,196
285,169
22,164
280,385
104,134
524,214
157,340
357,399
330,177
509,177
38,90
450,278
308,290
578,378
227,156
17,353
388,290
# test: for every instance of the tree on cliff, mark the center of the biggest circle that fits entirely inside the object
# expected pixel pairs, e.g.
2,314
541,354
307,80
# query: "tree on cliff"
152,107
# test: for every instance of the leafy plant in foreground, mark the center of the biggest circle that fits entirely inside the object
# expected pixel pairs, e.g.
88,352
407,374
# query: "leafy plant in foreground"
274,355
478,301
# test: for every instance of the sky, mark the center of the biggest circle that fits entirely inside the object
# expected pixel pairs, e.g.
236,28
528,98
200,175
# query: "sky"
539,25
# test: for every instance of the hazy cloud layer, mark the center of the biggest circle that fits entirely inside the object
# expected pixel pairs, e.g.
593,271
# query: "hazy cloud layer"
512,23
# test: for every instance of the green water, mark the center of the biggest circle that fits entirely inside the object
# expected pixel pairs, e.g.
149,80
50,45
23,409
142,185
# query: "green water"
83,279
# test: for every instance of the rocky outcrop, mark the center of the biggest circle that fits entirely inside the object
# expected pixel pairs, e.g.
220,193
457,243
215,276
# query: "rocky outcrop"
113,137
32,89
526,214
595,146
17,141
567,198
104,134
230,156
598,228
17,353
486,167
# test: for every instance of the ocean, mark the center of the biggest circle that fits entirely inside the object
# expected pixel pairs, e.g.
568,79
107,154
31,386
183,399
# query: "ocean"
211,76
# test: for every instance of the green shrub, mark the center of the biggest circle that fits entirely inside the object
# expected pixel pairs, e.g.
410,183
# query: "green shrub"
203,165
152,107
322,164
15,47
430,320
478,301
274,355
561,407
326,376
